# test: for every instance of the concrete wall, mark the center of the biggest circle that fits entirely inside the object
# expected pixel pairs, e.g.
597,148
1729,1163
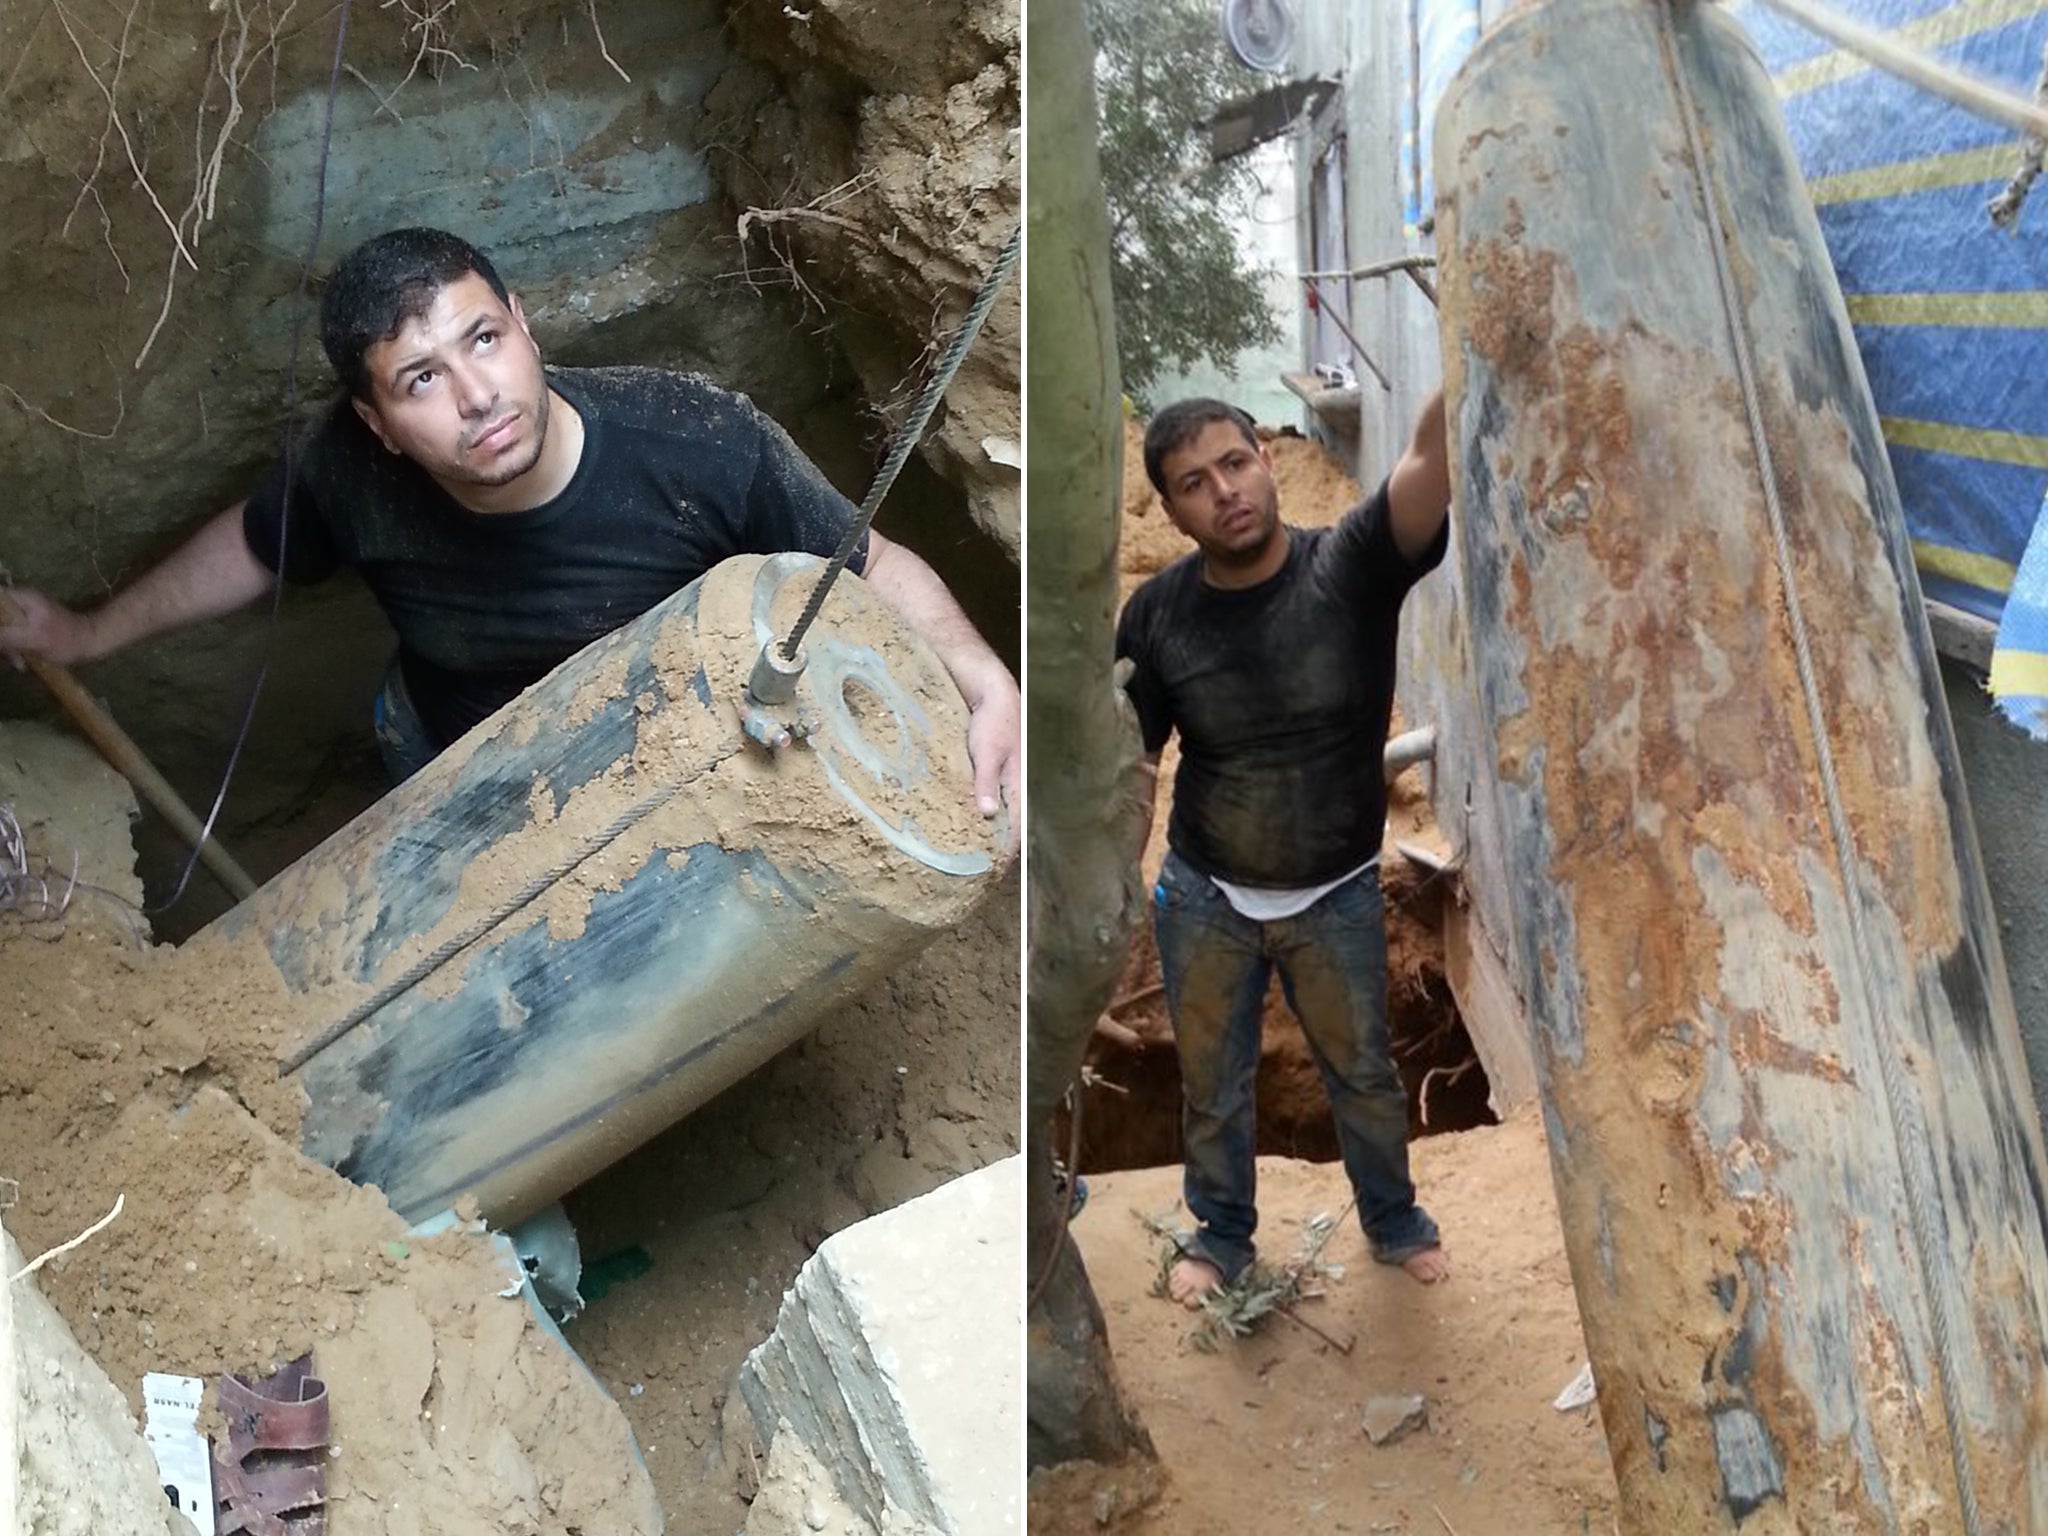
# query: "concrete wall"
895,1362
72,1458
1365,45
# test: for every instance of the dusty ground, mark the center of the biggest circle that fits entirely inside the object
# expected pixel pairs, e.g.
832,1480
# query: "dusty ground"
451,1410
1266,1434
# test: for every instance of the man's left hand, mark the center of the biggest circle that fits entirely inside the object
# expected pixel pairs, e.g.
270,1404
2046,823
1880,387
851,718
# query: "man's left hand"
995,719
995,728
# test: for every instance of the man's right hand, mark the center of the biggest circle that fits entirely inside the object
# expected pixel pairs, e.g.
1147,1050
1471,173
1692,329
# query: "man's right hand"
210,574
37,628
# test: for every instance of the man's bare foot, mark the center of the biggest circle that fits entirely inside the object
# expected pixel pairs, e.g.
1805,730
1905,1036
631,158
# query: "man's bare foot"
1429,1266
1191,1279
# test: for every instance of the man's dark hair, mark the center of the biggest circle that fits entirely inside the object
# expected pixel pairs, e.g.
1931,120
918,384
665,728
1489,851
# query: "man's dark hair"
383,283
1180,424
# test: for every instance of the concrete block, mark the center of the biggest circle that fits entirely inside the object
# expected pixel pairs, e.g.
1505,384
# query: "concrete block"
898,1359
72,1459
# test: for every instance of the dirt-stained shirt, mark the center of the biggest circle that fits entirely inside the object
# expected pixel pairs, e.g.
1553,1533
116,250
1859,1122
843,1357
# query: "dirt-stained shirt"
1282,694
676,475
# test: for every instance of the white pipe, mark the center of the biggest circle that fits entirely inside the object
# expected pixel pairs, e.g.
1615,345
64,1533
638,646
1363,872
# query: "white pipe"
1916,68
1408,749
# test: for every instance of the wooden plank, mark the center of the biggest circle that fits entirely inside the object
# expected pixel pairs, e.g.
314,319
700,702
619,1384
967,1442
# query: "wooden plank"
1962,636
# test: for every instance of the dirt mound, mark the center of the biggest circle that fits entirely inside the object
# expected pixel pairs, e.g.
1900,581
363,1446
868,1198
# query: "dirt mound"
888,230
127,1073
234,1252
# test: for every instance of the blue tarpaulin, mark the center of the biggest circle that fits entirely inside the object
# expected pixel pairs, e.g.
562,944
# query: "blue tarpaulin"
1445,31
1949,311
2019,665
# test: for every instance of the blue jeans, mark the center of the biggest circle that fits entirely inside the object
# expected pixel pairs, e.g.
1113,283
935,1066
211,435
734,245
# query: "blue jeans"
402,739
1333,968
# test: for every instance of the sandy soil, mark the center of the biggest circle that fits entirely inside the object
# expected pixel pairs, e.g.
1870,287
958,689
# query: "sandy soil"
1266,1434
149,1073
452,1410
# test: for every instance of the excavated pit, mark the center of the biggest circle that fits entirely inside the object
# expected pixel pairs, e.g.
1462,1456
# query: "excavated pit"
1134,1120
872,158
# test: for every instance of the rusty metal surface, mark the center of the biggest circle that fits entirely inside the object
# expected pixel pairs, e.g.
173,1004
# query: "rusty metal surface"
1717,958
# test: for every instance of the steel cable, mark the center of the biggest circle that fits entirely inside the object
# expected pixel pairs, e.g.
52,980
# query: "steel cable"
907,436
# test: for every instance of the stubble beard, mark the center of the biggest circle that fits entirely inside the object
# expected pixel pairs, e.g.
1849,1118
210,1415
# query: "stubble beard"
1243,556
505,474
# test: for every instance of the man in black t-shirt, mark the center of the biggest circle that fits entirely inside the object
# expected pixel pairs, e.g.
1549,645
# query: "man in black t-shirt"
675,474
505,515
1270,650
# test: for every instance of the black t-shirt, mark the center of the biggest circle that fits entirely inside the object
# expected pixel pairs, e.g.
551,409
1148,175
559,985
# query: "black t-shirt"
676,475
1282,694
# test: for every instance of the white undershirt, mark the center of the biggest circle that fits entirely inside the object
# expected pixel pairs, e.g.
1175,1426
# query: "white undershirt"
1262,904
